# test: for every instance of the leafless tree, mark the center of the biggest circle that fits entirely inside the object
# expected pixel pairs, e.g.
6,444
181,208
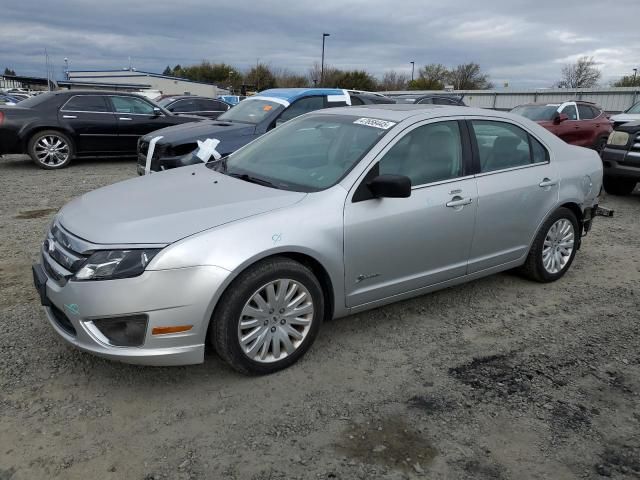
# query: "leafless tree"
582,74
468,76
393,80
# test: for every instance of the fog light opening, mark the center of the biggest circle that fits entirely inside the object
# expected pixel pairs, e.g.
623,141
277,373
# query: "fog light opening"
123,331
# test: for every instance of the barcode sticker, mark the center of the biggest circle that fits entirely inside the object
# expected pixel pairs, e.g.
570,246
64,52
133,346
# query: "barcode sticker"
374,122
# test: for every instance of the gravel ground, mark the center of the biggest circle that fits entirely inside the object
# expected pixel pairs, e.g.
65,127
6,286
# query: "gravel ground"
497,379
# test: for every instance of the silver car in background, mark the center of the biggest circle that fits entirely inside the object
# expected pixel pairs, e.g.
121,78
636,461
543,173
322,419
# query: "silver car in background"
335,212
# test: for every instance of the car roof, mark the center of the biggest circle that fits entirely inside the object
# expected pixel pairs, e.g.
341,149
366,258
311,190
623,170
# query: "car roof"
396,112
293,94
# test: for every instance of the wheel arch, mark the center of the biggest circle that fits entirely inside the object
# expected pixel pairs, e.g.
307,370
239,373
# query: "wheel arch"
318,269
28,135
577,211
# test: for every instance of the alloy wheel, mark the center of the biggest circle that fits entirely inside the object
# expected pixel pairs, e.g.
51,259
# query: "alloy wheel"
52,150
275,321
558,246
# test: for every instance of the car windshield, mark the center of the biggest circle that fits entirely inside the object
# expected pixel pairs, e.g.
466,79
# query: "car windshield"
306,154
634,109
252,110
536,112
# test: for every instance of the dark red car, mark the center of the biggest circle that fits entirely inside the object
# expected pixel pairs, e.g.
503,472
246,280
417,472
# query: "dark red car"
578,123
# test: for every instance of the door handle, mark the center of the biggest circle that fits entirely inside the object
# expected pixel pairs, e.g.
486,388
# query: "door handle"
69,116
546,182
459,202
124,118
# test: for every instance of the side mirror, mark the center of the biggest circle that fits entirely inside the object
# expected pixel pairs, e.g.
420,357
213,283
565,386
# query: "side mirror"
559,118
157,111
390,186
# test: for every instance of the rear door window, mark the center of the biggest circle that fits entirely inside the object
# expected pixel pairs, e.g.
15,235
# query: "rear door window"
86,103
586,112
503,145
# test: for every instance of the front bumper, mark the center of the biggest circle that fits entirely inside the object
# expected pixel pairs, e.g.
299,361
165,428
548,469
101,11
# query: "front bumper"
159,164
182,296
621,163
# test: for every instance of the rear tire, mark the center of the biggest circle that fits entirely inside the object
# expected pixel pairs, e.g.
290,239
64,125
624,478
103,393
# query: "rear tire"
50,149
268,317
618,186
554,247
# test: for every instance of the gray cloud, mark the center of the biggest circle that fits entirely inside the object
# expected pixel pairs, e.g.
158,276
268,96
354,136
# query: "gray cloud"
519,41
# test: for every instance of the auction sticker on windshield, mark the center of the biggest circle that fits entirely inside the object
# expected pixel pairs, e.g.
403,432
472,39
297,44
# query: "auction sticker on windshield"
374,122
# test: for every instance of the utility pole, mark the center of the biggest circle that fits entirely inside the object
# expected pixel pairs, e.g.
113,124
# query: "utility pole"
413,64
324,35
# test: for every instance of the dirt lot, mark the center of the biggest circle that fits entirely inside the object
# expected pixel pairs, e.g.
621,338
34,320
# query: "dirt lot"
498,379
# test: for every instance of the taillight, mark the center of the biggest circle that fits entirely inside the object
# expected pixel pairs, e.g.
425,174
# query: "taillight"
1,117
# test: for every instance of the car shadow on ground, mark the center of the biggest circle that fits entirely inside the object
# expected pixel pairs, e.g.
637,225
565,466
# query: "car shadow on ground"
333,332
24,162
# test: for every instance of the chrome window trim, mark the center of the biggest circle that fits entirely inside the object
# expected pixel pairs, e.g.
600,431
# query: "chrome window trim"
519,167
84,111
441,182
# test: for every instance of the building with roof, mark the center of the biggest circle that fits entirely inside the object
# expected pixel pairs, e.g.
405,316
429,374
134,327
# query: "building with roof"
135,79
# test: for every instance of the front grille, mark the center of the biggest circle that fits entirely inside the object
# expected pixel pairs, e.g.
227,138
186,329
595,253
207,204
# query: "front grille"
60,256
63,321
634,150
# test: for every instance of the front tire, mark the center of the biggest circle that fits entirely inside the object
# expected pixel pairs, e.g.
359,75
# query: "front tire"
554,247
50,149
268,317
618,186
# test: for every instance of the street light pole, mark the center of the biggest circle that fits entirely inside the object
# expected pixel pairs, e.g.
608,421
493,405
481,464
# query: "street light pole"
413,64
635,71
324,35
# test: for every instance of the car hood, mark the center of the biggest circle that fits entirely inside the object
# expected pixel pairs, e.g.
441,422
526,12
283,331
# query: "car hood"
164,207
625,117
190,132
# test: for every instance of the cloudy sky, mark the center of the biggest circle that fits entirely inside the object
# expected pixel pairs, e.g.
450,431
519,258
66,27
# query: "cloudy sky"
522,42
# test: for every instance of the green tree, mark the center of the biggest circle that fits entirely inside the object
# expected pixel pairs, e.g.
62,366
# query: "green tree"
261,77
8,71
356,80
431,77
167,71
628,81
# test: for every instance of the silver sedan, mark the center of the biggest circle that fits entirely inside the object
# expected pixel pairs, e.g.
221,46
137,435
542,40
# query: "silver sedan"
335,212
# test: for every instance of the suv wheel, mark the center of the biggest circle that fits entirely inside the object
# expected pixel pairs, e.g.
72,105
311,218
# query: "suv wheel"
554,248
268,317
50,149
618,186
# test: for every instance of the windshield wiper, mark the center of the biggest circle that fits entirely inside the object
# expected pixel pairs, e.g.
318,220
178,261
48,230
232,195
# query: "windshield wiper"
251,179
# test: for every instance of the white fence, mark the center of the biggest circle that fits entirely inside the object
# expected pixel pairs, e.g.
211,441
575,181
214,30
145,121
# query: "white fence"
612,100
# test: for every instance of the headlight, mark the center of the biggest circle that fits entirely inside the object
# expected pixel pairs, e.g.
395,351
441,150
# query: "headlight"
109,264
619,139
